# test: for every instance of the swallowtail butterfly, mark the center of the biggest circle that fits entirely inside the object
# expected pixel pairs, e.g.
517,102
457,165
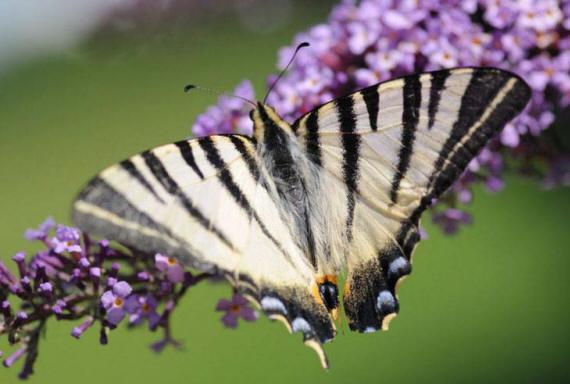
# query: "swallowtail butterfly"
282,213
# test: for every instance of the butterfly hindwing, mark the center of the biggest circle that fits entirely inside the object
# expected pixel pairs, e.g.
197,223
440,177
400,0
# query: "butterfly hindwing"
392,148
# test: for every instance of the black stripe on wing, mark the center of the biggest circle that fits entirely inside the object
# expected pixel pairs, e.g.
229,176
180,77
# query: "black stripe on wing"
351,154
312,138
224,175
159,171
132,170
185,149
372,100
239,145
436,87
412,94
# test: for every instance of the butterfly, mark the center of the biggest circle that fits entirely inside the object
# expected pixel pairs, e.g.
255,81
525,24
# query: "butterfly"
282,213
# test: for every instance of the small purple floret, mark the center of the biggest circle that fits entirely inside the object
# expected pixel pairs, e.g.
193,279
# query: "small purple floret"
22,315
235,308
58,307
84,263
20,259
75,275
114,301
95,272
84,326
6,309
42,232
171,267
46,287
142,308
66,239
111,281
25,282
10,360
143,276
122,289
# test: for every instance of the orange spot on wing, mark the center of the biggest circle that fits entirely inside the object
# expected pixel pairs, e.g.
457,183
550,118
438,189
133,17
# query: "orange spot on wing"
316,294
324,278
346,290
334,314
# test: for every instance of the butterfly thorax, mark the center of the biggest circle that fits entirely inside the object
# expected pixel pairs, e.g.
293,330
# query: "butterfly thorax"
284,163
296,183
278,150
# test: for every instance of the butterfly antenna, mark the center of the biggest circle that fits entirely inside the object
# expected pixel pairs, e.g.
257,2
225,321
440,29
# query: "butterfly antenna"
302,45
189,87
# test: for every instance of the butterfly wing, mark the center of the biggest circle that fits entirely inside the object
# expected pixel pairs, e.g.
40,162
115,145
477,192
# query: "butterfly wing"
391,149
208,203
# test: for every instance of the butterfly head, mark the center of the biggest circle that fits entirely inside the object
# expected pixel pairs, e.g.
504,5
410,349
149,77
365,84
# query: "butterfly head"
262,114
267,121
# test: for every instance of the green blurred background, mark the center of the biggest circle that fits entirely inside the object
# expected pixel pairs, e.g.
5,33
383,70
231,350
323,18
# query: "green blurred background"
488,305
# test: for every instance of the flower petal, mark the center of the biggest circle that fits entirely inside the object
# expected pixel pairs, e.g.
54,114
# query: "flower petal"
230,320
223,305
107,299
115,315
122,289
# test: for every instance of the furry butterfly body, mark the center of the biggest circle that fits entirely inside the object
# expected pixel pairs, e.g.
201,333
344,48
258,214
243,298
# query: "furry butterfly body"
282,213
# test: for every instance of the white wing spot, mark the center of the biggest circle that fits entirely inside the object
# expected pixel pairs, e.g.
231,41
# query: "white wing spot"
385,298
370,330
397,265
300,324
273,304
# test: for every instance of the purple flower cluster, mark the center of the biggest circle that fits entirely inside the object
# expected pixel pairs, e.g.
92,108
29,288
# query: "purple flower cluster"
369,41
231,115
92,283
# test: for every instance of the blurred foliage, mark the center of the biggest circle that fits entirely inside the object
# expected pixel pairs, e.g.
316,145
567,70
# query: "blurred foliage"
488,305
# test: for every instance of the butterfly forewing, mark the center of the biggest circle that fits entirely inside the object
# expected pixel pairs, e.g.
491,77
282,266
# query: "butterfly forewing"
209,203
